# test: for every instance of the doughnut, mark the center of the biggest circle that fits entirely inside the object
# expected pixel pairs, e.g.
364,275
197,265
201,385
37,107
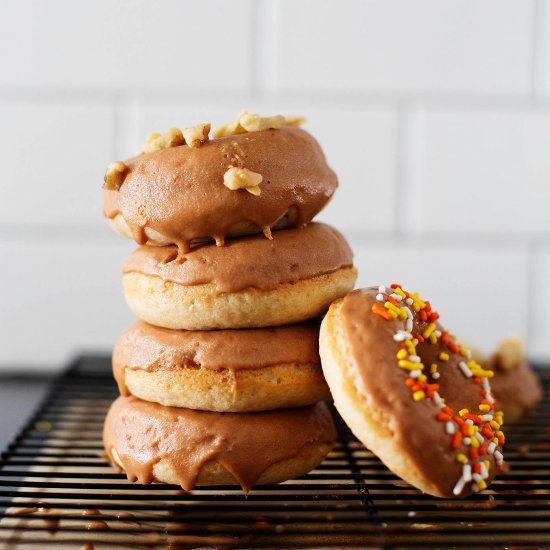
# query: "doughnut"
250,282
184,447
516,386
178,196
410,392
221,370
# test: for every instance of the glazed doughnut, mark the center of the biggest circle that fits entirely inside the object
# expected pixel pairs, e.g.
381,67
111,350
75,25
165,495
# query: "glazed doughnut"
187,448
225,371
410,392
516,386
249,282
177,195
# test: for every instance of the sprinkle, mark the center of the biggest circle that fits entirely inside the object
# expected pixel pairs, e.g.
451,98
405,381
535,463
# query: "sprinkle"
476,477
433,338
484,472
379,310
461,457
415,373
399,290
444,337
420,337
462,412
464,368
437,333
409,325
459,486
482,485
436,375
401,335
467,472
404,364
457,437
414,358
409,301
467,441
487,431
396,297
491,448
443,417
483,449
437,398
473,454
494,424
479,437
450,428
484,408
380,298
444,356
499,458
475,488
486,417
423,316
392,309
418,395
453,347
382,290
402,353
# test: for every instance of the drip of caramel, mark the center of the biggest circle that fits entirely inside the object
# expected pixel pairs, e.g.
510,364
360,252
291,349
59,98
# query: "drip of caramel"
179,192
251,262
245,444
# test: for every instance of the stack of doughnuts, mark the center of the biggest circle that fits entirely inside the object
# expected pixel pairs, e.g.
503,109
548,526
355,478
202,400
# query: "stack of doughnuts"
220,378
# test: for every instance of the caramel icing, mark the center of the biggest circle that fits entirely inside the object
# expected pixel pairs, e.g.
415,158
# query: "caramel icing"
179,191
245,444
413,424
151,348
292,255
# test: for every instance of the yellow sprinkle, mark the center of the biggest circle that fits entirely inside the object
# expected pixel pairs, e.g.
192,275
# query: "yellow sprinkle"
393,315
428,331
495,440
409,365
418,395
391,308
484,408
444,356
494,425
464,351
403,313
482,485
415,342
487,464
472,364
400,292
475,443
422,378
402,353
471,431
461,457
462,412
433,368
433,338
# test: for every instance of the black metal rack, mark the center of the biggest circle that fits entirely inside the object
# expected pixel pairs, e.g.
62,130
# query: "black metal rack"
58,491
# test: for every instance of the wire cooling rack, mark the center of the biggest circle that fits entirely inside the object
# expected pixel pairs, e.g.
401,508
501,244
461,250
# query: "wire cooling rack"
58,491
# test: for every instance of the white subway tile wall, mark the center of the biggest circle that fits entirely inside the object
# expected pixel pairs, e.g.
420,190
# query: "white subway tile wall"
435,115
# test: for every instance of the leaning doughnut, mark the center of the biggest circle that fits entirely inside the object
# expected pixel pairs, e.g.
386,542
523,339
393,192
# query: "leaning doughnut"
410,392
178,196
226,371
187,448
292,278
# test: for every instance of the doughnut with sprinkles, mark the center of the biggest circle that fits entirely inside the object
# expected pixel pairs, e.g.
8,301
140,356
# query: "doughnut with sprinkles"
411,392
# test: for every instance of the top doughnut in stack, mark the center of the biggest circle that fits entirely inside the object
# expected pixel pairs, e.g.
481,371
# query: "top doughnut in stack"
226,243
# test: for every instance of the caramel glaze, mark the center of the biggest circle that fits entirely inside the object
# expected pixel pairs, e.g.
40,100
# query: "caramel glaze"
414,427
245,444
179,192
517,390
146,347
292,255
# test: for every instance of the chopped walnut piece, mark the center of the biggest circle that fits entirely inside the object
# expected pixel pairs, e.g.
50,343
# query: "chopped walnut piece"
294,120
155,141
243,178
232,128
256,123
114,176
196,135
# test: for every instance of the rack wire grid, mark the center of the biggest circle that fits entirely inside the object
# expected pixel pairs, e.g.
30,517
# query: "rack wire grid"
57,490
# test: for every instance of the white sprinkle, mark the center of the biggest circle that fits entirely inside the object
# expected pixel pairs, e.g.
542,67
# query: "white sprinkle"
489,398
468,354
408,312
396,297
409,301
484,473
414,359
459,486
450,428
475,488
436,375
415,373
467,472
479,437
437,399
409,325
499,457
486,386
402,335
486,417
465,369
470,422
467,441
477,478
491,448
382,289
437,333
380,298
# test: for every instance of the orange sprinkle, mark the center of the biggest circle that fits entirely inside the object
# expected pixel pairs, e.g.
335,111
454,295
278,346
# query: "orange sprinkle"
473,417
476,468
465,429
457,438
427,306
473,454
433,316
392,301
453,347
442,417
483,448
458,420
487,431
445,336
477,380
500,440
383,312
447,410
409,382
420,337
395,285
423,315
502,466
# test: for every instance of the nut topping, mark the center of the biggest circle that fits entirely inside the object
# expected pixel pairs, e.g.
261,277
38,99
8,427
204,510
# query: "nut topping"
114,176
156,142
256,123
243,178
294,120
232,128
196,135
